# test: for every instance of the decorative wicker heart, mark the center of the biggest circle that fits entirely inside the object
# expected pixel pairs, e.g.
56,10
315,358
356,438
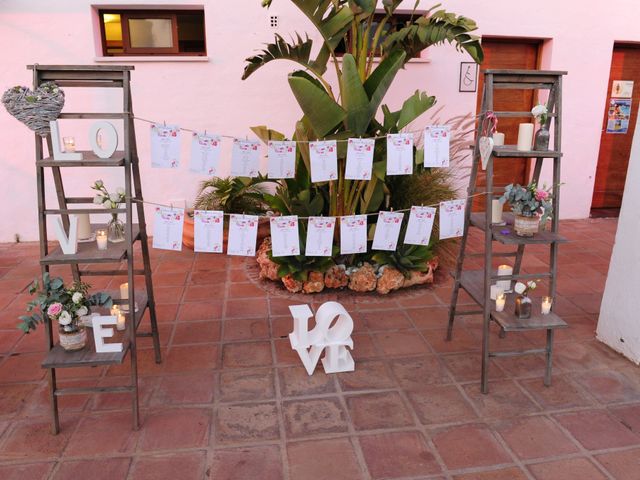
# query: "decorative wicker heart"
35,108
485,145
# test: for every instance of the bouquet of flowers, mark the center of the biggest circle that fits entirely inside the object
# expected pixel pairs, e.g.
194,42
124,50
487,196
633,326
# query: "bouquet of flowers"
540,112
524,288
110,200
529,201
57,302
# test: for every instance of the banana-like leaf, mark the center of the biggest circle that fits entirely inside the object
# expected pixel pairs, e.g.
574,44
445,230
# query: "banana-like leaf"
390,122
381,78
330,17
439,27
323,113
413,107
354,97
362,6
265,134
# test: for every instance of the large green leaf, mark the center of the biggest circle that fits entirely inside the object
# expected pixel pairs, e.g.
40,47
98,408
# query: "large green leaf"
332,18
413,107
265,134
381,78
323,113
354,97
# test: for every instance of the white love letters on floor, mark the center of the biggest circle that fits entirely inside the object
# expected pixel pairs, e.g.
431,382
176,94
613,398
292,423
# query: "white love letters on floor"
335,340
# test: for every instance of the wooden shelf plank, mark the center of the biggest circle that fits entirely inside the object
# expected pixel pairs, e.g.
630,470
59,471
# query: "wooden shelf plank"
90,160
88,251
57,357
512,151
543,237
473,283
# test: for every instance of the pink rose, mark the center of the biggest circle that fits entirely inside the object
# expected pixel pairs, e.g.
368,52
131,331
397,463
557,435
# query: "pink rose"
54,309
542,195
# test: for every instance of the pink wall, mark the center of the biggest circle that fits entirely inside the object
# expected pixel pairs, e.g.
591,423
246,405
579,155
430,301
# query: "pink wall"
211,95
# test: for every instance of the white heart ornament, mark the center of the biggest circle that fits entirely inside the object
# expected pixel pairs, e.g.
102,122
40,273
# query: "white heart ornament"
485,145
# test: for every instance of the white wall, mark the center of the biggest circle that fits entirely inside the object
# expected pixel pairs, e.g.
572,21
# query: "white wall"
619,321
211,95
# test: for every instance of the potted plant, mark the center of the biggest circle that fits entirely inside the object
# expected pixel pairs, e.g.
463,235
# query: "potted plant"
231,195
523,302
527,203
115,227
67,306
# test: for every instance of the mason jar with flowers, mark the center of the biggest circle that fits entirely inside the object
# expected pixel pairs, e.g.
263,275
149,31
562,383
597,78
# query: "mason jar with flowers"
115,227
541,140
68,306
531,206
523,302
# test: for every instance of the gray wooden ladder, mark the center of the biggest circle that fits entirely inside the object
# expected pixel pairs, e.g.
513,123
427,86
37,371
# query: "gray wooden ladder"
477,283
88,256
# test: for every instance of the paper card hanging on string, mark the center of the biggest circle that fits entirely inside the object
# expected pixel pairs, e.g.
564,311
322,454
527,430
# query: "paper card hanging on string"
245,158
285,239
282,159
451,218
165,146
167,228
420,225
436,146
359,158
324,160
353,234
320,236
208,231
399,154
243,233
205,153
387,231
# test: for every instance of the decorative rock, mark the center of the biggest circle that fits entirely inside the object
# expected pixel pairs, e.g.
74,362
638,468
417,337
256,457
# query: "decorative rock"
391,279
418,278
268,268
433,263
364,279
336,277
314,283
291,284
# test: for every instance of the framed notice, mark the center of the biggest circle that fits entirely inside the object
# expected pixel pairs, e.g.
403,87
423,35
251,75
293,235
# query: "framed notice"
468,77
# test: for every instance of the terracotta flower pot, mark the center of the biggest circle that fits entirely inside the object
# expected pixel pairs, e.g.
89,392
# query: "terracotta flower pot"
187,231
526,226
73,341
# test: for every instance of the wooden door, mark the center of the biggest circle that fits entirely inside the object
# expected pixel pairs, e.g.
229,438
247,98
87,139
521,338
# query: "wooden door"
613,159
508,53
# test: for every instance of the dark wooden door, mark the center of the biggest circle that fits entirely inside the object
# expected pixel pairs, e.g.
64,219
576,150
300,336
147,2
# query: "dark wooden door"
613,159
508,53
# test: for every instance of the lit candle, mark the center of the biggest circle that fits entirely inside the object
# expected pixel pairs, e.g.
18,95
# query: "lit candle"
115,310
69,144
525,137
546,305
121,322
498,139
496,211
84,226
500,301
505,284
124,291
101,239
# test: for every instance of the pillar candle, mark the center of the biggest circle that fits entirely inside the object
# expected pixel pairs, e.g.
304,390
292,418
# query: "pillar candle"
84,226
101,239
525,137
495,291
498,139
496,211
124,291
121,322
500,301
546,305
505,284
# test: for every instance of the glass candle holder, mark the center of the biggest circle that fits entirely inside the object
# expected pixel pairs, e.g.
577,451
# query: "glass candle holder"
501,300
101,239
546,305
69,144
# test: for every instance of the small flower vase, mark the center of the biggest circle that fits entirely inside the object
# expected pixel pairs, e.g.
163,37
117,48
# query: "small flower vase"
541,139
526,226
115,229
523,307
73,341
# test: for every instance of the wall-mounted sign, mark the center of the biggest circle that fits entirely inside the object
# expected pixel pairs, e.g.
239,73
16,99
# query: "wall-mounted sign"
622,88
618,115
468,77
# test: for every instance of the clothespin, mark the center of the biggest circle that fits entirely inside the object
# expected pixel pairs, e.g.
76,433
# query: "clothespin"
164,123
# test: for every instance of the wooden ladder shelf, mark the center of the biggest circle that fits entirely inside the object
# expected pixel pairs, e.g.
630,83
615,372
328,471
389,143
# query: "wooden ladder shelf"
477,283
82,76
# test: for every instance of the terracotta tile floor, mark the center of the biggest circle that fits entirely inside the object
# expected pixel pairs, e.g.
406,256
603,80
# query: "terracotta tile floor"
232,401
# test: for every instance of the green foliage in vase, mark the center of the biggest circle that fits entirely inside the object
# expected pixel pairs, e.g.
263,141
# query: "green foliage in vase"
232,194
529,201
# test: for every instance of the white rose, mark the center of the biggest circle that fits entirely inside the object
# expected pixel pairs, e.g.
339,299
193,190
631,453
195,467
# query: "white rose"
539,110
82,311
77,297
532,285
114,197
120,191
520,288
98,199
64,318
99,183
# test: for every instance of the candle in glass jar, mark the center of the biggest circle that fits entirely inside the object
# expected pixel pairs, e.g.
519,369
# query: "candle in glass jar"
505,284
124,291
496,211
500,302
525,137
101,239
69,144
546,305
498,139
121,322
